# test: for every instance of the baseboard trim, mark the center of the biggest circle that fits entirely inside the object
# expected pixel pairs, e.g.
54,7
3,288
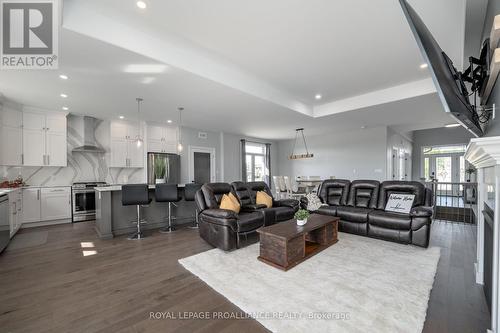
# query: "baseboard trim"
44,223
479,275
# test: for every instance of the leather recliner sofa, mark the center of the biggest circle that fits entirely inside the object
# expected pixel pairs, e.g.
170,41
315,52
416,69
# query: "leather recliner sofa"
227,230
281,210
360,205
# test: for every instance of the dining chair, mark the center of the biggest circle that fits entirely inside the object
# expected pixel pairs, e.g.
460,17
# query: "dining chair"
290,191
279,187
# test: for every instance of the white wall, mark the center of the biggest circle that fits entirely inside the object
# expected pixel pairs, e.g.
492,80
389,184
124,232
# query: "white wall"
360,154
398,141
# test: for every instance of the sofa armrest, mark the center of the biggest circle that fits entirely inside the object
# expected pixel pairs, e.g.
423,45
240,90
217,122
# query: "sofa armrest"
421,211
292,203
220,213
252,207
222,217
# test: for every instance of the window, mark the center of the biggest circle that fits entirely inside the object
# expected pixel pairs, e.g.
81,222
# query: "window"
256,162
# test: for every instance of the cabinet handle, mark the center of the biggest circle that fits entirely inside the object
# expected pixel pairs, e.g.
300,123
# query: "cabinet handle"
48,159
38,194
22,158
44,160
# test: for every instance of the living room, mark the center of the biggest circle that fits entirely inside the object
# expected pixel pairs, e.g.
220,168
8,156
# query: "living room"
264,166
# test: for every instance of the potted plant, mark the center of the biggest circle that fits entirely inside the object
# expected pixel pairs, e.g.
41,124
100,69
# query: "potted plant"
160,166
470,171
301,216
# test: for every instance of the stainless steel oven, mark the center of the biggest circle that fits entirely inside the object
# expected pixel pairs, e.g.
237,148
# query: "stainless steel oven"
84,200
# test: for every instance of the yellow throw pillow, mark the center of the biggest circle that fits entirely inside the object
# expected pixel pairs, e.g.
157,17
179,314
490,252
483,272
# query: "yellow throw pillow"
232,197
264,199
230,204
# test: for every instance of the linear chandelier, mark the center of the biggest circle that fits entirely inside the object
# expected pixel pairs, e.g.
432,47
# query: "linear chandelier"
294,156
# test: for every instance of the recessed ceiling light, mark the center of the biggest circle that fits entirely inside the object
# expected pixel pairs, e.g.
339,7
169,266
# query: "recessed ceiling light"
141,4
65,108
424,66
318,96
169,121
64,77
363,127
452,125
122,117
64,96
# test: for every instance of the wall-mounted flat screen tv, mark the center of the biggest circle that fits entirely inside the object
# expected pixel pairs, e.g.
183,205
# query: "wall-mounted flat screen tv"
449,84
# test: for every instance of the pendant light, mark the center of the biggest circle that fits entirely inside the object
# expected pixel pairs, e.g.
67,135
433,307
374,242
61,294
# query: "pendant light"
179,142
294,156
138,140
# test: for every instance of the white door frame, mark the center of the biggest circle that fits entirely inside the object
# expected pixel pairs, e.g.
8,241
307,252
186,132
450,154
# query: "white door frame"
196,149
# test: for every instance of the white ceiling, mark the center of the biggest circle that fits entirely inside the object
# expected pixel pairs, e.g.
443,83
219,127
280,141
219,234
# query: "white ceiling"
291,49
338,48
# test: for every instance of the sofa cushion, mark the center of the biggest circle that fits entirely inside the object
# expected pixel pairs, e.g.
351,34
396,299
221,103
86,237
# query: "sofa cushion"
353,214
401,187
249,221
334,191
327,210
283,213
389,220
353,227
363,193
242,193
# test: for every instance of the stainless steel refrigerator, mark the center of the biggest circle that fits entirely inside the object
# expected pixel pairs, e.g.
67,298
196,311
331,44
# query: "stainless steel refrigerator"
167,164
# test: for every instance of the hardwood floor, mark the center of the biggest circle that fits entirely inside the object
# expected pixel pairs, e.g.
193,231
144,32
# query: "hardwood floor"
55,288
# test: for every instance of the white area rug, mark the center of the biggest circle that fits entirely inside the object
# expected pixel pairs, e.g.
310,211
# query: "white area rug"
379,286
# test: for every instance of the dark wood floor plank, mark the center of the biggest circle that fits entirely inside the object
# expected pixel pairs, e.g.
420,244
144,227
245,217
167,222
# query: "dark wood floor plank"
54,288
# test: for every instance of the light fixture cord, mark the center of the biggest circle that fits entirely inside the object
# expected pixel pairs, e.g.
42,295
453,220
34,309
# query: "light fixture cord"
180,124
295,142
304,139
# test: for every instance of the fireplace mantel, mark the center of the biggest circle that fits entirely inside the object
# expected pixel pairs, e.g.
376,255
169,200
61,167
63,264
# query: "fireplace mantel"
484,154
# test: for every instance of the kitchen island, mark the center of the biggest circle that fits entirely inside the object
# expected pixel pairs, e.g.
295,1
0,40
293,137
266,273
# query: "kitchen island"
114,219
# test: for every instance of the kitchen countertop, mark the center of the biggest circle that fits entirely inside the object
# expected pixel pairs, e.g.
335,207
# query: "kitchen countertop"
119,188
8,190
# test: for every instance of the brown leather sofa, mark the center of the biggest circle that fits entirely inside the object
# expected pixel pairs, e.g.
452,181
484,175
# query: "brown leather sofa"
360,205
227,230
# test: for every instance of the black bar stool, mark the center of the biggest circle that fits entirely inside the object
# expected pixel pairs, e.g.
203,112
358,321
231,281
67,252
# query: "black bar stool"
136,195
167,193
189,194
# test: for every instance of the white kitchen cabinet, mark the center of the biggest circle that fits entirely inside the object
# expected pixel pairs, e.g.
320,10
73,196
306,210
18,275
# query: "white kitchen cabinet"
124,150
33,147
11,147
15,210
162,139
119,157
31,205
55,203
135,155
44,139
56,156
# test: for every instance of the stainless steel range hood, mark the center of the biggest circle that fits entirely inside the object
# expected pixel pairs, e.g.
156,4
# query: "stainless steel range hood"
86,126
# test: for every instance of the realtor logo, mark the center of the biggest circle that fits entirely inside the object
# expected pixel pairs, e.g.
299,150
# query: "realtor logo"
29,34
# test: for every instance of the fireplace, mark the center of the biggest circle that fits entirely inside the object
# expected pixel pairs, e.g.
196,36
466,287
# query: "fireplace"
488,254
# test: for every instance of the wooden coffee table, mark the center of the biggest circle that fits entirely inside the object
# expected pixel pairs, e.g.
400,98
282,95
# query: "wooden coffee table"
285,244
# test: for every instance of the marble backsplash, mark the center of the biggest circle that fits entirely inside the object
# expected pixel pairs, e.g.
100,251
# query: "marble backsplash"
81,166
